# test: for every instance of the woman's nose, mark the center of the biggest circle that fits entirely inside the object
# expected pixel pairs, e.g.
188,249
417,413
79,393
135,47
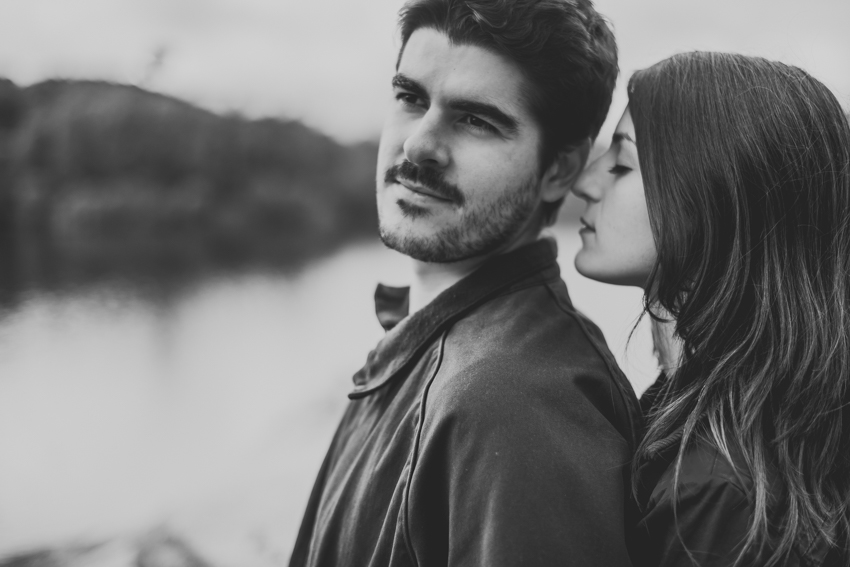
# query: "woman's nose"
588,184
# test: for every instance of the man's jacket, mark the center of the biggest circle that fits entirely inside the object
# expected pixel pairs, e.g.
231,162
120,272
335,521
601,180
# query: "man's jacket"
490,428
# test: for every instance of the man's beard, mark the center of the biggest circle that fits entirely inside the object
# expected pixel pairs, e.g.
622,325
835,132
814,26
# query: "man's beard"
479,231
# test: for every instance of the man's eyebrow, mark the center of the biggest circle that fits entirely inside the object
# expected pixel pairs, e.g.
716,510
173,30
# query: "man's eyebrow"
401,81
620,136
485,110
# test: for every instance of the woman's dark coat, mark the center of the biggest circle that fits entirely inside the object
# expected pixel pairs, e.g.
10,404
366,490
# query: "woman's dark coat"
708,525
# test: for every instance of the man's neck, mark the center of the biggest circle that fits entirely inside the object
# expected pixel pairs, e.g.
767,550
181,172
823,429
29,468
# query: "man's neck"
431,279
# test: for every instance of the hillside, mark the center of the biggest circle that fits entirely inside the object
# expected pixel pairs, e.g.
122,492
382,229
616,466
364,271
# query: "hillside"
102,181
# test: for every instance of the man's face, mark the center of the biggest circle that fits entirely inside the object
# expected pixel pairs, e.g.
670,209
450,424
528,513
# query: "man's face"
458,166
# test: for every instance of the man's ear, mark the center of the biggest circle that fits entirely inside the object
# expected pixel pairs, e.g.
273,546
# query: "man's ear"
564,171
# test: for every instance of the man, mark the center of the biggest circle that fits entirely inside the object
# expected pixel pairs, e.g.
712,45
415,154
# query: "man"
491,425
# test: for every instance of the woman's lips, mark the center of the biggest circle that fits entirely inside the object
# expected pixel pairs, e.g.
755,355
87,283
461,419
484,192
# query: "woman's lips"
586,226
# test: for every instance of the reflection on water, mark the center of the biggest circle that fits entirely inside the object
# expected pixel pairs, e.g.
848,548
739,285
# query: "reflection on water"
205,416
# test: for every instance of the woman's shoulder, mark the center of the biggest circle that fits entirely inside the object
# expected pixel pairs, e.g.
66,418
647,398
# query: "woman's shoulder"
704,515
703,464
706,476
708,514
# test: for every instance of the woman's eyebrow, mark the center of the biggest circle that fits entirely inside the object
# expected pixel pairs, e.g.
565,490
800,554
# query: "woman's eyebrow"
620,136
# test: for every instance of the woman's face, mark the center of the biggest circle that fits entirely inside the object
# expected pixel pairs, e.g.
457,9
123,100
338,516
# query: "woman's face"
617,244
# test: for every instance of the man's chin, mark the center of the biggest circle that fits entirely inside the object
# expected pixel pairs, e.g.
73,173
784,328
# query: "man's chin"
434,238
434,249
424,249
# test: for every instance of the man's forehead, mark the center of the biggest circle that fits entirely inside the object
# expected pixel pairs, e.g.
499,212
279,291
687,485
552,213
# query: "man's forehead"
456,70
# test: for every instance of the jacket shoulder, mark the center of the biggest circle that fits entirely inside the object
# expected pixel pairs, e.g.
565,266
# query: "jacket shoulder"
524,444
530,347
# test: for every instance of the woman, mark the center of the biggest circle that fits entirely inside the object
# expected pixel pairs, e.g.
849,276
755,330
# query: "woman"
726,196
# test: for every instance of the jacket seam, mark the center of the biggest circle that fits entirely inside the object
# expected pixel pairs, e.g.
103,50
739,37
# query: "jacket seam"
635,419
408,540
695,487
736,480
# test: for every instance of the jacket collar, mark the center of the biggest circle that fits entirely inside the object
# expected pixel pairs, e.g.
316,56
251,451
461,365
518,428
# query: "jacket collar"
407,337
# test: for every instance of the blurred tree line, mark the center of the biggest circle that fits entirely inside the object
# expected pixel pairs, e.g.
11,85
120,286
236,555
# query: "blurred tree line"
101,181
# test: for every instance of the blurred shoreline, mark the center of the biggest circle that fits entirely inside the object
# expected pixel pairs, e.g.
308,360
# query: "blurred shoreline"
106,182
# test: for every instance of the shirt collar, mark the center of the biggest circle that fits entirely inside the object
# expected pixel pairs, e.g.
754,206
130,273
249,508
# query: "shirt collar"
407,337
392,304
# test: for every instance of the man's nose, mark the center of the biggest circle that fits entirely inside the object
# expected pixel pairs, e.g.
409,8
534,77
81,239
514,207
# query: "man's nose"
428,142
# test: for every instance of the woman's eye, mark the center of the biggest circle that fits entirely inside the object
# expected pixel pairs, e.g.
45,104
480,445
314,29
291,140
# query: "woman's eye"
619,169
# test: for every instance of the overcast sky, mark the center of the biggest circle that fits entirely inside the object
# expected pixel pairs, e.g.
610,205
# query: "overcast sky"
329,62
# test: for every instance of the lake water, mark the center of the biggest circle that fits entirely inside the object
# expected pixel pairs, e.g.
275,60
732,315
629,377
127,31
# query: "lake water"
208,416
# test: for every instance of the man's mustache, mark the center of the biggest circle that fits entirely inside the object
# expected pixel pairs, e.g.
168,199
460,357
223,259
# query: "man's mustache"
431,179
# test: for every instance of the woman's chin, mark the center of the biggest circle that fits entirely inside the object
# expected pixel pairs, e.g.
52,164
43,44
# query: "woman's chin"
608,274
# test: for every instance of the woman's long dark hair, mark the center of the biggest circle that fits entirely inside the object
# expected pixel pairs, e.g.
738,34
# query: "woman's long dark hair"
746,169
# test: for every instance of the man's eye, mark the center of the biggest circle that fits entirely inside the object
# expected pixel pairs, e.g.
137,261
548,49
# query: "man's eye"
408,99
478,124
619,169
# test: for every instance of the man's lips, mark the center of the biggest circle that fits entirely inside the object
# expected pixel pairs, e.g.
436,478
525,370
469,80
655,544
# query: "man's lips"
426,182
416,188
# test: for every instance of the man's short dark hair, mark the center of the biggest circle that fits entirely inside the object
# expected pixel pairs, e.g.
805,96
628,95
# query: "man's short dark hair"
564,47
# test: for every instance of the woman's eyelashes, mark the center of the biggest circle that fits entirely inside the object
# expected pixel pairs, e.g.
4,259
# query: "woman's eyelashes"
619,169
